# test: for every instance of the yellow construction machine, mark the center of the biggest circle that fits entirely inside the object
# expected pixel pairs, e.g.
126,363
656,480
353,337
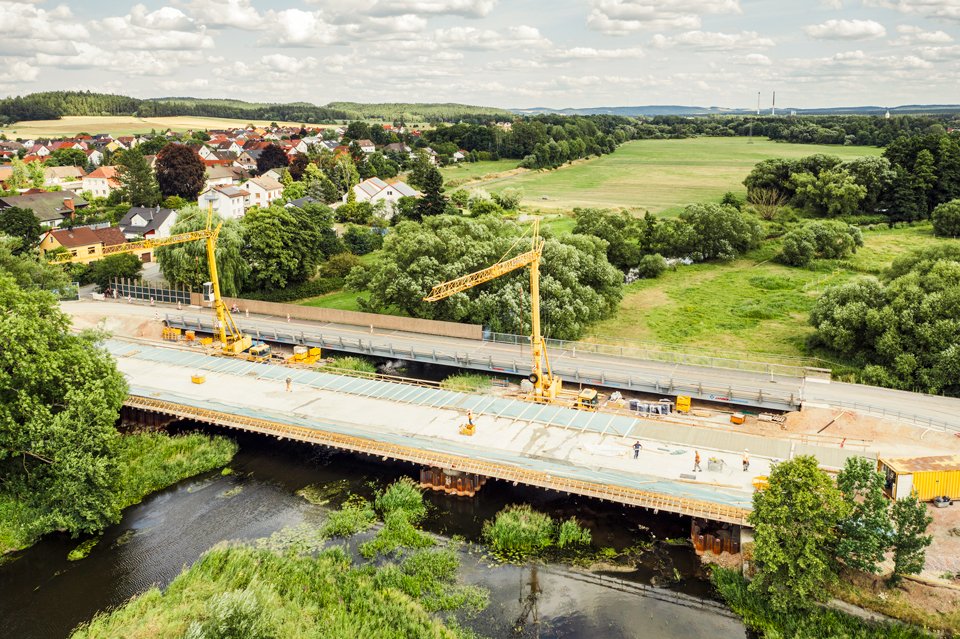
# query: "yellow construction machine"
232,339
546,386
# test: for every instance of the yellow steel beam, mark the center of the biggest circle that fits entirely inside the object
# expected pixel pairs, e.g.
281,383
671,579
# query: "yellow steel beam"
441,291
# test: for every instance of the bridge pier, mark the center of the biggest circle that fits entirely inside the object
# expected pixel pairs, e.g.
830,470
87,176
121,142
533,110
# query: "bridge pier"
452,482
137,419
714,537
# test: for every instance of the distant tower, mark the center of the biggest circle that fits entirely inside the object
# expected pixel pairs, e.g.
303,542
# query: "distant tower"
887,116
758,103
773,110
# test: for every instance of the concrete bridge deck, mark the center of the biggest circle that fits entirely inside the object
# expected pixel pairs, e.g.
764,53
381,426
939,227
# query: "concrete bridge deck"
548,446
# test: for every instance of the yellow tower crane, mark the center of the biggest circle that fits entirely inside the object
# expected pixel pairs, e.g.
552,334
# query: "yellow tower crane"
232,339
546,387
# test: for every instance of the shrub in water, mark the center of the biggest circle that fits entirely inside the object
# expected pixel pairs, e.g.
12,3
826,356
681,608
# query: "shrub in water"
572,533
519,531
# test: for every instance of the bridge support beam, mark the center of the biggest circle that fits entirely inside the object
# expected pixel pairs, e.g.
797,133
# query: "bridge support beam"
137,419
452,482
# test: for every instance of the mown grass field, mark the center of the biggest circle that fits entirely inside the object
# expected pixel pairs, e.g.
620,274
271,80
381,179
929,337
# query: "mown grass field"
656,175
748,305
123,125
463,173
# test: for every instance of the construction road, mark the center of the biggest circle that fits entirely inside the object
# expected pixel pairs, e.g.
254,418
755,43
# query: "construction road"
723,385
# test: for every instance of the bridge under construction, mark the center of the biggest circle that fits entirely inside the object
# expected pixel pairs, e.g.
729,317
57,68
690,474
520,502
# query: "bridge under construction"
548,446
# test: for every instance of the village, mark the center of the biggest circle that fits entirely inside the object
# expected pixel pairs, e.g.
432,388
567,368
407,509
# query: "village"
70,181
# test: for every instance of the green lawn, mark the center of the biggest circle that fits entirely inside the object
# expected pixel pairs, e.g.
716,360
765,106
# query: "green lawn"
459,174
657,175
340,300
752,304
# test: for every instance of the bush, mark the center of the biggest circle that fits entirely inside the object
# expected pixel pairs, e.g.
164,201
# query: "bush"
650,266
355,515
402,497
312,288
361,240
518,532
509,198
946,219
572,533
484,207
830,240
339,265
357,364
355,212
461,198
732,199
718,232
237,614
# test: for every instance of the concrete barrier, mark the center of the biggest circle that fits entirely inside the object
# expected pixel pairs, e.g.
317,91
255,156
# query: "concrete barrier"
352,318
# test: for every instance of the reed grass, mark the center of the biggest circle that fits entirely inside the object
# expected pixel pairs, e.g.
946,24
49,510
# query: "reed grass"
351,364
466,382
814,623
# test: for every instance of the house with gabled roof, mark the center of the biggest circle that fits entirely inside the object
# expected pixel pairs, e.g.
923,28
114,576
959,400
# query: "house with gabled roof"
145,221
227,201
102,181
263,190
375,190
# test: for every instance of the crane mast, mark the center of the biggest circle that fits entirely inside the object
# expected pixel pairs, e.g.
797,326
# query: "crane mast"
545,385
232,339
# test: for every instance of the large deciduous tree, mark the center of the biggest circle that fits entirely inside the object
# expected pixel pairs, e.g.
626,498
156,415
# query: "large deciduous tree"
60,397
903,332
865,533
180,171
272,157
67,157
910,523
284,245
946,219
577,284
139,186
22,224
121,266
719,232
795,522
186,264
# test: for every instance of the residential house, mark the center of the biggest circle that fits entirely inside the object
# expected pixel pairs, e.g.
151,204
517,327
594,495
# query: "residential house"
147,222
375,190
204,151
128,141
367,146
221,176
273,174
263,191
94,157
102,181
227,201
40,150
84,242
397,147
459,156
50,208
248,159
228,146
329,145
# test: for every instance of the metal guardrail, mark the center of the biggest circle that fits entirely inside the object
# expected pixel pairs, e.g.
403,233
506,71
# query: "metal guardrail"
659,354
916,420
518,366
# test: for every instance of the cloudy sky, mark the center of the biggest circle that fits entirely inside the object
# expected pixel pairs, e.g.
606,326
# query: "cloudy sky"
507,53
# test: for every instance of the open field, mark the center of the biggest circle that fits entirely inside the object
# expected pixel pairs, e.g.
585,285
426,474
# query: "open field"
750,304
455,175
657,175
123,125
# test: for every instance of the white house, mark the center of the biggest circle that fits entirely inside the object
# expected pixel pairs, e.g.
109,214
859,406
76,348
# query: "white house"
375,190
66,177
221,176
366,146
262,190
206,153
228,201
101,182
459,156
147,222
94,156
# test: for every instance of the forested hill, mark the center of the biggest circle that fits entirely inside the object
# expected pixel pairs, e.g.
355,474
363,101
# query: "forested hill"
53,105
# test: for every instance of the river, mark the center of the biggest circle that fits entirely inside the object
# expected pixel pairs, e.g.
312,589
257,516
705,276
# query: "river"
44,596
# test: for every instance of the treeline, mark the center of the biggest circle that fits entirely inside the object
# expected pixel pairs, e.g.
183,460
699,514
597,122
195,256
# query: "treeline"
914,176
52,105
539,142
862,130
422,112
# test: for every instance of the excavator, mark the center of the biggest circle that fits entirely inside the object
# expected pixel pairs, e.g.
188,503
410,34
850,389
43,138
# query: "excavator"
547,387
232,339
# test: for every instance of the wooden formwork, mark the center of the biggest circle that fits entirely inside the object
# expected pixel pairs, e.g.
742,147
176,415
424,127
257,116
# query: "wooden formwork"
432,459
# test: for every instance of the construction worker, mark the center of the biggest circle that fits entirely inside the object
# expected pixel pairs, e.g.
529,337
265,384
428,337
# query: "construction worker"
696,462
636,449
289,383
746,460
470,418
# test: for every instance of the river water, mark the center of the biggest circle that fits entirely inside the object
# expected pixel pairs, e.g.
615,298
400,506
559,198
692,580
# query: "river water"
44,596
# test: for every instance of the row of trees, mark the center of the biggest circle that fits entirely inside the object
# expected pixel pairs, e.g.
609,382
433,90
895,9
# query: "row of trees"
913,177
702,232
864,130
808,528
900,331
578,285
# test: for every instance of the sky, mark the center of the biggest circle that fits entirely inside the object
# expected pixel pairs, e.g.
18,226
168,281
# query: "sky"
504,53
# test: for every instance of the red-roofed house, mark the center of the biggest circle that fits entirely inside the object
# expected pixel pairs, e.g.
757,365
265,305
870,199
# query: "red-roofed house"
102,182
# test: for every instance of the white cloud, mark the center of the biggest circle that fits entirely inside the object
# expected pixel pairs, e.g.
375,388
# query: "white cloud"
164,18
183,85
713,41
846,30
17,71
31,26
522,36
943,9
753,59
620,17
164,29
832,4
910,35
288,64
463,8
239,14
589,53
292,27
860,59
